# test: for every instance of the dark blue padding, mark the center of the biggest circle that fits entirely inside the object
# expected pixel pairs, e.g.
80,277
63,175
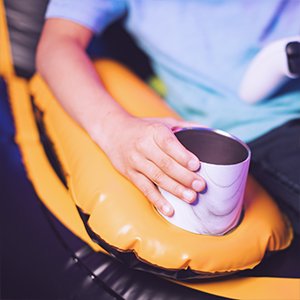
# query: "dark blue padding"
6,120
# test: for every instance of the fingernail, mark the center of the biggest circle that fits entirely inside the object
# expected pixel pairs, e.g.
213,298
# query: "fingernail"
188,195
198,185
166,209
194,165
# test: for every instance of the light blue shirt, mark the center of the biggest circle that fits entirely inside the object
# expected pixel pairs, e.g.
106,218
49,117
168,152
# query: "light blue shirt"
201,49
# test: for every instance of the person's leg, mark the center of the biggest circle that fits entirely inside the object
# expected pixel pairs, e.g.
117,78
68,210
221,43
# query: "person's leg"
276,165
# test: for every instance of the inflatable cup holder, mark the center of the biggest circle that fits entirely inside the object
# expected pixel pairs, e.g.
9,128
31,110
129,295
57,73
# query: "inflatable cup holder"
121,220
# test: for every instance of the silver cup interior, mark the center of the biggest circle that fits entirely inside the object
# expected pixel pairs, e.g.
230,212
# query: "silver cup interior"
213,146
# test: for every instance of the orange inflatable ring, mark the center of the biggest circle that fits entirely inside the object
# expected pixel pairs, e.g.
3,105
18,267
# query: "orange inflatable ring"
124,223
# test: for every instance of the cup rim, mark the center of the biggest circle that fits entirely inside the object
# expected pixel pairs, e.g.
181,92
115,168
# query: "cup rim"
220,132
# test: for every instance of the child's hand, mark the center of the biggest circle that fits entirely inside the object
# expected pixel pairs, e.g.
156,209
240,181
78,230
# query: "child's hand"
147,152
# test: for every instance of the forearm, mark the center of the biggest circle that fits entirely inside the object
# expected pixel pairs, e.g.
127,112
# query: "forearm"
75,83
144,150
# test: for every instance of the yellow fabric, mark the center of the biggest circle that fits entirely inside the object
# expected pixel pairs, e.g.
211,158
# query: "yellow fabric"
6,68
38,167
47,185
122,216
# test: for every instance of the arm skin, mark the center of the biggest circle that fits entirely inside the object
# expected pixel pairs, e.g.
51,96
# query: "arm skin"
147,152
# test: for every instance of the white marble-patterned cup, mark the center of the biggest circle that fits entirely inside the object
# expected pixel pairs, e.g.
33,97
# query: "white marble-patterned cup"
224,166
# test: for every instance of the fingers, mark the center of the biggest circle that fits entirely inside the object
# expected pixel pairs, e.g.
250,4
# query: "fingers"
149,154
151,192
162,164
161,179
169,144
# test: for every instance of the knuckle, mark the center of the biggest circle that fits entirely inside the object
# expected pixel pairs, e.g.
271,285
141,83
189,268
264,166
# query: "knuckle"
157,177
141,144
156,126
133,159
145,190
167,141
158,131
149,193
177,189
166,164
